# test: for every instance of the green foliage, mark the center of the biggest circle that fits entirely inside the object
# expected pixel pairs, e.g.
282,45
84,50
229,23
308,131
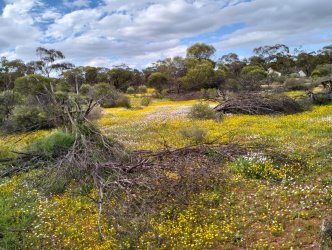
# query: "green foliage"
142,89
123,101
29,118
201,111
121,77
32,84
209,93
158,80
91,74
296,84
254,70
200,51
85,89
322,99
276,167
17,212
101,90
195,133
130,90
200,75
8,100
146,100
322,70
249,168
52,145
223,70
95,113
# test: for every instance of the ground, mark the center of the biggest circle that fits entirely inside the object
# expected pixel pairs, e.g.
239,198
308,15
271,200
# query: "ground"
259,206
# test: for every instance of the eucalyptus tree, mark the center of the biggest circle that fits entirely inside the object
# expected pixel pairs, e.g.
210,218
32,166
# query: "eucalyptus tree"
200,51
50,61
10,70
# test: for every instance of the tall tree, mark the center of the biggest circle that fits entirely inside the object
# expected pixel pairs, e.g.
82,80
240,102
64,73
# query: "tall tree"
272,53
49,61
200,51
10,71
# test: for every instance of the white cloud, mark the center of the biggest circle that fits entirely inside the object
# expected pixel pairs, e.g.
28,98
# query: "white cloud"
76,3
141,32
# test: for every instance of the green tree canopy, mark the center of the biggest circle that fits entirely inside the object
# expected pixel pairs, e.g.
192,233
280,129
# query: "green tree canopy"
200,51
158,80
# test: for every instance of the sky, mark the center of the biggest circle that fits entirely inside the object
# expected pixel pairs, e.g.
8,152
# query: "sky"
139,32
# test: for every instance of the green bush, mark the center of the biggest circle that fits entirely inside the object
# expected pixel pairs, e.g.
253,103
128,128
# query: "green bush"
52,145
123,101
95,113
322,99
296,84
8,100
201,111
142,89
29,118
321,70
108,103
195,133
130,90
85,89
146,100
209,93
253,70
249,168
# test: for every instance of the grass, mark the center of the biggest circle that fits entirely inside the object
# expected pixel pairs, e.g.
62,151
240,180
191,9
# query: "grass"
261,205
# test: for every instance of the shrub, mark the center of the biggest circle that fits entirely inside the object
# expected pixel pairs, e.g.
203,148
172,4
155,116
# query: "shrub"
52,145
202,111
296,84
142,89
94,114
195,133
130,90
321,70
146,100
164,92
8,100
253,70
158,80
29,118
249,168
116,99
157,95
321,99
209,93
85,89
123,101
108,103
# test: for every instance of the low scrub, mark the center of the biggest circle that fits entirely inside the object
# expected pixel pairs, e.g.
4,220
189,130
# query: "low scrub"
142,89
52,145
297,84
28,118
130,90
195,134
321,98
146,100
119,100
211,93
201,111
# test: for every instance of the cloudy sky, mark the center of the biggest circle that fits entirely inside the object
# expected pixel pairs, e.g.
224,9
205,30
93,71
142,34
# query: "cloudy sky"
138,32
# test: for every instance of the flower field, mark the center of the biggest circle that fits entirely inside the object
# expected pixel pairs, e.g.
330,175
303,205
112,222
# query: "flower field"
263,203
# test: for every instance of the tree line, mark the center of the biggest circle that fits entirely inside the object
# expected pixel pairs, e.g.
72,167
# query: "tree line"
35,92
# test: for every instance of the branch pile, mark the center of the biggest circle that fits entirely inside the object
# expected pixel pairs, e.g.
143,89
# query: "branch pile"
259,104
126,185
